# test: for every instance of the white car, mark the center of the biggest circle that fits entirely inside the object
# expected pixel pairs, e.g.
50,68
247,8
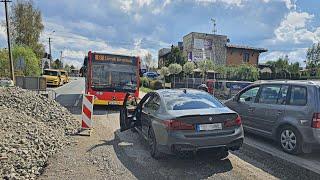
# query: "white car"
5,82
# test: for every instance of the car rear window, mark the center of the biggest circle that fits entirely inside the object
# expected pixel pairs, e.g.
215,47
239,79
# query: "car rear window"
298,96
190,100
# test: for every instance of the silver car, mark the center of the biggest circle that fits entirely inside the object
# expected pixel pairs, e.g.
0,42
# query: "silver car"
183,121
287,111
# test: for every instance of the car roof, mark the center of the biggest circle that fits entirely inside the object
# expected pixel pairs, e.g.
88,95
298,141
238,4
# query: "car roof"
164,92
290,82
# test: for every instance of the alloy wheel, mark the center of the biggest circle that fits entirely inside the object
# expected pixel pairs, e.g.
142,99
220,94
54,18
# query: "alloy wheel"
288,140
151,141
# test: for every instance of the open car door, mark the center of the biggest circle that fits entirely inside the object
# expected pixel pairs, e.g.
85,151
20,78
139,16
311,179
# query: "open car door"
127,111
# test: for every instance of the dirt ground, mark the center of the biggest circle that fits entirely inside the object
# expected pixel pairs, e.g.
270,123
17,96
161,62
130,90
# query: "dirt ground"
110,154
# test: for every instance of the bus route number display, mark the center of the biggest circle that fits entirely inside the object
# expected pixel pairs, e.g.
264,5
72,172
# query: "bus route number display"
101,57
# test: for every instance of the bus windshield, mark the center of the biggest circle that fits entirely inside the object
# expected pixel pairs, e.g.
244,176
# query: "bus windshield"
106,76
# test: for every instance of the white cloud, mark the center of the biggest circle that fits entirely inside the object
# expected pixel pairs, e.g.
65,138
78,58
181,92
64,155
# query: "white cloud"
126,5
161,7
142,3
290,4
228,2
75,46
294,29
297,55
137,17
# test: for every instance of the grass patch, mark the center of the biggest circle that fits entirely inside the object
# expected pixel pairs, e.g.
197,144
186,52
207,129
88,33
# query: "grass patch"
145,89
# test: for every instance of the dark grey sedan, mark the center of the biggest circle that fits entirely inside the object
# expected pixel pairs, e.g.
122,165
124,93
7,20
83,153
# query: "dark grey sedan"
183,121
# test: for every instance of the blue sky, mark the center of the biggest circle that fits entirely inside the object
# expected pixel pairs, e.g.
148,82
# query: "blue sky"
136,27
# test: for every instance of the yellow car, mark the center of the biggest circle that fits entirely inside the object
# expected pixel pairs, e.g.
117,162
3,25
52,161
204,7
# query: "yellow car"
64,76
53,77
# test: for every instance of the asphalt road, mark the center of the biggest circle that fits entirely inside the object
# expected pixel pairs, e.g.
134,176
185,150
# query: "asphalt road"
110,154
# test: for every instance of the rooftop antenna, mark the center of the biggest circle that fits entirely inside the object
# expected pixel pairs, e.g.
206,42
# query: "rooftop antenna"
214,26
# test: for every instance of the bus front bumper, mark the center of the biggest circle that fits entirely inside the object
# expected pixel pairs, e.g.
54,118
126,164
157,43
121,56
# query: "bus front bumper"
106,102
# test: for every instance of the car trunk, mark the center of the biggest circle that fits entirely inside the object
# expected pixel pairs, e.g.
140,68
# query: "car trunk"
207,122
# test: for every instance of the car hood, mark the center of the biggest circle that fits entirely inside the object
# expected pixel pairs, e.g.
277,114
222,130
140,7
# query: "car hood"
190,112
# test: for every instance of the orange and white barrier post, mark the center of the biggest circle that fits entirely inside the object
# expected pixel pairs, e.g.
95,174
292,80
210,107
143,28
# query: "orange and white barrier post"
87,111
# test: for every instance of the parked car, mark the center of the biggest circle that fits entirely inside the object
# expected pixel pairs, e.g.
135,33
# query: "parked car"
287,111
53,77
227,89
151,75
183,121
6,82
64,76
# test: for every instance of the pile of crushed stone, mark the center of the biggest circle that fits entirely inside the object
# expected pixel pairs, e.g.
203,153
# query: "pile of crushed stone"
32,128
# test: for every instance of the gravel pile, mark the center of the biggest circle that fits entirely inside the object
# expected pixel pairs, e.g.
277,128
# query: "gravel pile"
32,128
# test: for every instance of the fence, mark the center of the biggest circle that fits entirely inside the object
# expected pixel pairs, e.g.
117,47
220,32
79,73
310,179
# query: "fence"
31,83
38,84
188,82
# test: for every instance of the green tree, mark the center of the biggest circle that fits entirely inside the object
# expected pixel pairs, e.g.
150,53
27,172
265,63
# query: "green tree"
205,66
294,69
188,68
280,68
222,70
313,54
313,59
72,66
67,68
4,63
57,64
26,22
29,63
247,72
164,72
174,69
175,56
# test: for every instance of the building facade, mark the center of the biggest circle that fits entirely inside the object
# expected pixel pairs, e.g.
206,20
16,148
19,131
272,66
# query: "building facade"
163,56
237,55
199,46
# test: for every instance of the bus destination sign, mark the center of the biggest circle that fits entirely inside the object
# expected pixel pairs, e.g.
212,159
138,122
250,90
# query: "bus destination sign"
111,58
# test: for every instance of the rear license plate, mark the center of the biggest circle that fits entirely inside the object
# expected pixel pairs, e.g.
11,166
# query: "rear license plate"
113,103
209,127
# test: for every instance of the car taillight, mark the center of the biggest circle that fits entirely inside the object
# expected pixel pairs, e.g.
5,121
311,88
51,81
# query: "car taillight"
177,125
316,120
235,122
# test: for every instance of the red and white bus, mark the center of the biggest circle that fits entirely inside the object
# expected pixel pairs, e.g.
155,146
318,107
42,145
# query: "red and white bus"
109,77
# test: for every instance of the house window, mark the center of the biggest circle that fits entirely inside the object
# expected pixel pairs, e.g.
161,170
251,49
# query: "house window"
246,57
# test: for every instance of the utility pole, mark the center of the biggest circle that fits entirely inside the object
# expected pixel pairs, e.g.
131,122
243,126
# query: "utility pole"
50,46
9,41
50,51
61,64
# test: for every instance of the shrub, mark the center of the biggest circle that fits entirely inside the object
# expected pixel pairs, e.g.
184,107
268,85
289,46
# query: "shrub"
156,84
144,81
